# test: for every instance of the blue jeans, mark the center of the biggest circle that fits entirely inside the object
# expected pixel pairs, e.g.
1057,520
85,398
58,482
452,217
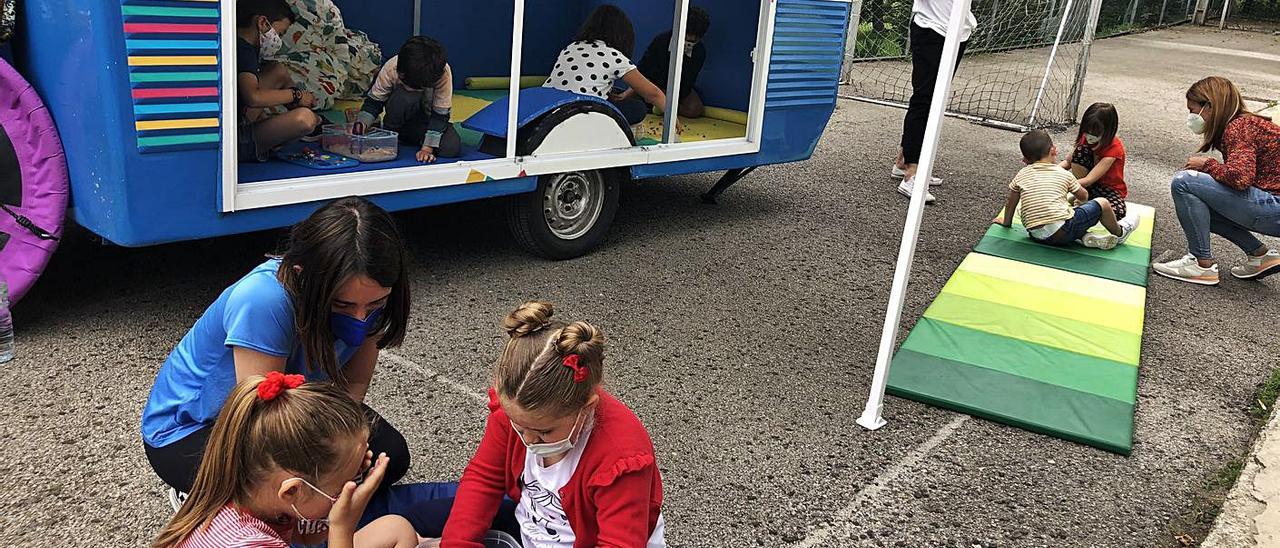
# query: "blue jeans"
1082,219
1206,206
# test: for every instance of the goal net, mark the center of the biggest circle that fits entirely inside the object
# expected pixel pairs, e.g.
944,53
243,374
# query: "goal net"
1022,68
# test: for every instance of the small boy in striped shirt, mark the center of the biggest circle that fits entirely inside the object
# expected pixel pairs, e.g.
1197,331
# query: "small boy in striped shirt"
1040,193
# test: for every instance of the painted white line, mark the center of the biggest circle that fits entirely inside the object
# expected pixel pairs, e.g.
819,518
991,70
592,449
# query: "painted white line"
843,523
438,377
1208,49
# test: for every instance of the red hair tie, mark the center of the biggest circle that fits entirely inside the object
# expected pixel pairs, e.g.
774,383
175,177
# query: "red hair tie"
276,383
580,372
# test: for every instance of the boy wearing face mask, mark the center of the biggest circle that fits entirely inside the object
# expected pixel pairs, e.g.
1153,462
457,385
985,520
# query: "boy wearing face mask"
260,85
656,62
1098,158
577,463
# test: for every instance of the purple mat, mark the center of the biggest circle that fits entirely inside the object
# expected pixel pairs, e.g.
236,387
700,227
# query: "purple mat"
33,184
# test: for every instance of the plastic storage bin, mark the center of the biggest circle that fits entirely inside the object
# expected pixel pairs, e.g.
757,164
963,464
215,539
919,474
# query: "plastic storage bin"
376,145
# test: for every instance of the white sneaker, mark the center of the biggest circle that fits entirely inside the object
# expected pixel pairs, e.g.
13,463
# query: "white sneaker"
1187,269
1108,240
1099,240
905,189
1127,226
1257,268
176,499
898,173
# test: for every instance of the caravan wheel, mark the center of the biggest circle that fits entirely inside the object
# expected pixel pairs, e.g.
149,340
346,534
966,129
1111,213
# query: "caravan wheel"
567,216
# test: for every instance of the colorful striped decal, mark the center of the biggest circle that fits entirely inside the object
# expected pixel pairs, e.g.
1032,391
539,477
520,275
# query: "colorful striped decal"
173,55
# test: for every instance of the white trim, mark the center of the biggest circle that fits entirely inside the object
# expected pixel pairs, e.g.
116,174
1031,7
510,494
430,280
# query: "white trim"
513,91
675,69
366,183
871,418
718,148
230,144
760,76
584,132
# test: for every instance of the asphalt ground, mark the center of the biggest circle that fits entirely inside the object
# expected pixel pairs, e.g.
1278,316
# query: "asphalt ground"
743,335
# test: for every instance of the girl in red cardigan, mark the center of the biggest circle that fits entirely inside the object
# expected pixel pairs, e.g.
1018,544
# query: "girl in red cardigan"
1098,158
576,461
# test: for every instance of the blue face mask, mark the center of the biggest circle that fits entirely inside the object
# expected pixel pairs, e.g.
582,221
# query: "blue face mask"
350,330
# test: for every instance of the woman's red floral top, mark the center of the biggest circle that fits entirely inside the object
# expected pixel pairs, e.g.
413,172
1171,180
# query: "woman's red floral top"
1251,148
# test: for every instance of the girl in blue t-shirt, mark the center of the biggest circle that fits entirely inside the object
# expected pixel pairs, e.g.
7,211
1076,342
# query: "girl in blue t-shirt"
323,309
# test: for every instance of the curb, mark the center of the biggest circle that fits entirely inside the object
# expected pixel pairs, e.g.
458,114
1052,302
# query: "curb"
1251,514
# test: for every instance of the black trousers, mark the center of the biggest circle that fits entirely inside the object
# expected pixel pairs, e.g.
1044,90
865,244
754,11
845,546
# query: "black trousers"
634,110
177,462
926,55
405,115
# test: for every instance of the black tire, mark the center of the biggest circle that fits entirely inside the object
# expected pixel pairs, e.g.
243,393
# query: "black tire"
574,229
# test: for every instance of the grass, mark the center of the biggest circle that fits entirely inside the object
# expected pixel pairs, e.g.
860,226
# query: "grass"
1191,527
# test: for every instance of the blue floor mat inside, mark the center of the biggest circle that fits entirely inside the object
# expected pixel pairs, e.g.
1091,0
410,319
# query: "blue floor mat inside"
252,172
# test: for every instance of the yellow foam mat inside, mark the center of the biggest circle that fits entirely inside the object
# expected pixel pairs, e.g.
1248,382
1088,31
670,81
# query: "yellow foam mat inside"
465,107
695,129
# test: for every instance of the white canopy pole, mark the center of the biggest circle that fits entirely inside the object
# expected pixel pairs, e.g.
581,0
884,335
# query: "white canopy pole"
871,418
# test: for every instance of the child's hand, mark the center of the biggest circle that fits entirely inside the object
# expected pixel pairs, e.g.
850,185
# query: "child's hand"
426,155
346,512
1000,221
308,99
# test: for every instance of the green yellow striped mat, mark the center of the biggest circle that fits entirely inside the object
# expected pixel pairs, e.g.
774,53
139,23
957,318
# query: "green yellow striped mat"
1042,338
1127,263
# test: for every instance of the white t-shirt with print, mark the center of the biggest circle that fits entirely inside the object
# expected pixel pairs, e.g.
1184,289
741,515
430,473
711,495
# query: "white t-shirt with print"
543,523
589,68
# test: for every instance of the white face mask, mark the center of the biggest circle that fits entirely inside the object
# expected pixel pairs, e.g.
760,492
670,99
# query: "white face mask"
688,48
306,525
545,450
1195,122
270,43
1091,139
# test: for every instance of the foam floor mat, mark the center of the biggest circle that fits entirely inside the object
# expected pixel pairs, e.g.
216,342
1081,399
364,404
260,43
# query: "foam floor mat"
1126,263
1044,349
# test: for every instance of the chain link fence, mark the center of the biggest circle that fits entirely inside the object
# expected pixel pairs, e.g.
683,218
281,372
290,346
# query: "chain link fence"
1254,15
1025,63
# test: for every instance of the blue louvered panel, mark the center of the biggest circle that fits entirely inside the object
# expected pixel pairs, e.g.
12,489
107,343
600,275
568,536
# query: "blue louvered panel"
808,49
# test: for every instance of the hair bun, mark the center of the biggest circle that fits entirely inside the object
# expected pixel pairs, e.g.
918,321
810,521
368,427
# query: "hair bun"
530,317
583,339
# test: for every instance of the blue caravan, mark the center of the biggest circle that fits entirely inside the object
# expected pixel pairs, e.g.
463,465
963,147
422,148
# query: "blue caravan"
141,92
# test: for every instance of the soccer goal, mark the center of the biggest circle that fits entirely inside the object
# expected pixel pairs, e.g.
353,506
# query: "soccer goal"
1024,66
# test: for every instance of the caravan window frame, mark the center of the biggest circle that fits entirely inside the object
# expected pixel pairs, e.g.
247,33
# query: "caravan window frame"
237,196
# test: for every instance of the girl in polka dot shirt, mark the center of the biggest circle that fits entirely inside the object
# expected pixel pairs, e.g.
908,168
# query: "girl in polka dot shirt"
599,57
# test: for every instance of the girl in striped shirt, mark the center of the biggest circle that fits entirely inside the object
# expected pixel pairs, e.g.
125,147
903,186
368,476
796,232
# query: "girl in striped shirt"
278,468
